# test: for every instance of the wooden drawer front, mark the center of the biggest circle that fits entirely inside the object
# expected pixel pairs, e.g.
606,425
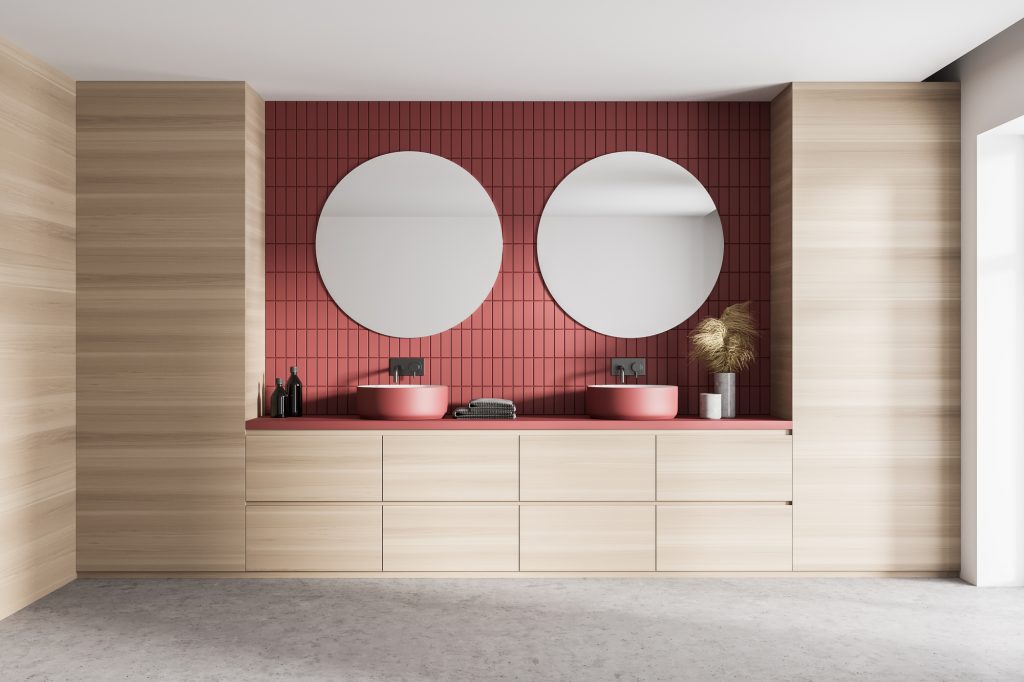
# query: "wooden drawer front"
722,467
587,538
587,467
451,538
723,537
475,467
312,467
310,537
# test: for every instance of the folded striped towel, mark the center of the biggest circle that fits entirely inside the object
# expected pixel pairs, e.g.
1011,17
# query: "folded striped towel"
487,408
493,403
471,413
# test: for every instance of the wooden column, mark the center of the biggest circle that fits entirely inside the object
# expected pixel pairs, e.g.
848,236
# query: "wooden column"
873,235
170,321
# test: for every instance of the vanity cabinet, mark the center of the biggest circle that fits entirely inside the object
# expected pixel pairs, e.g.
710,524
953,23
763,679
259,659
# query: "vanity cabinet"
307,466
589,537
587,467
722,467
725,537
471,467
312,537
448,537
507,500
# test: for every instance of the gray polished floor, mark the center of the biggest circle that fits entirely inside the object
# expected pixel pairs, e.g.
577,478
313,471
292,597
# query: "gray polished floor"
518,629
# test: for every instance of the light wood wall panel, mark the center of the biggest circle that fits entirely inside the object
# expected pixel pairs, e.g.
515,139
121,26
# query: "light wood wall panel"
875,273
167,204
37,329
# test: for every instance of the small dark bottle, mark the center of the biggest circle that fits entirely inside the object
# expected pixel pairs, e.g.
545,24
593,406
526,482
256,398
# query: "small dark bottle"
294,390
279,401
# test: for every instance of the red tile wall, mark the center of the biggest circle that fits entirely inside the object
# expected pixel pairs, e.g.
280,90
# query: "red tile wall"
518,344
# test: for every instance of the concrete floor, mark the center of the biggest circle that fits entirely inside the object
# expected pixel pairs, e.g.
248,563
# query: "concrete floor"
518,629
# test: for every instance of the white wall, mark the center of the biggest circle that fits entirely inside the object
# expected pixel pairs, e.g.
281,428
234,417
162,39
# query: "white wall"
1000,367
992,92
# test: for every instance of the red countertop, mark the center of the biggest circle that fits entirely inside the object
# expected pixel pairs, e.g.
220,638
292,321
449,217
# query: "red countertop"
562,423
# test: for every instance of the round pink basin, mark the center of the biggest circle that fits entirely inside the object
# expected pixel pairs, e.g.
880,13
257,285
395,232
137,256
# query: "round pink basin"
632,401
402,402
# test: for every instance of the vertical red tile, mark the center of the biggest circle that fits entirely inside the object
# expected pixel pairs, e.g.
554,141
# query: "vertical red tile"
519,343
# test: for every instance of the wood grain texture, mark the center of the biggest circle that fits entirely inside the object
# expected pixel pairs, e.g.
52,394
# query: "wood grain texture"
162,324
470,466
37,329
587,538
587,467
456,537
725,467
255,255
876,310
724,537
311,466
781,334
308,537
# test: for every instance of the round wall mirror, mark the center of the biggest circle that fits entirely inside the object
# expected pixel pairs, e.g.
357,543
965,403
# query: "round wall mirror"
630,244
408,244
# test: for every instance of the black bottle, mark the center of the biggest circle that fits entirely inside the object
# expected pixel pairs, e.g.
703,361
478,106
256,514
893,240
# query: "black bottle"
294,390
279,401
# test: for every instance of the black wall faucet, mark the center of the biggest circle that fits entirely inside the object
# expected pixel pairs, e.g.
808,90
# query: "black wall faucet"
405,367
638,366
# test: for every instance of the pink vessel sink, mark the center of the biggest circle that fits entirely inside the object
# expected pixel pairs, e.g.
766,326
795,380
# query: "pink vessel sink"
403,402
632,401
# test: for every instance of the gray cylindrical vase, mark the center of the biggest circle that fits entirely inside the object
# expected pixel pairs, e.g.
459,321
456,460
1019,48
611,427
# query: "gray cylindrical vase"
710,406
725,385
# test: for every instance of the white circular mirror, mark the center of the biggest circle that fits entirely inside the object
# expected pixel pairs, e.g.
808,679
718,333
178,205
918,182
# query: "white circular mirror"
630,244
408,244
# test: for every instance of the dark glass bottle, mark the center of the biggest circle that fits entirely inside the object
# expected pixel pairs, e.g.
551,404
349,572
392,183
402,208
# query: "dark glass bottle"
279,401
294,390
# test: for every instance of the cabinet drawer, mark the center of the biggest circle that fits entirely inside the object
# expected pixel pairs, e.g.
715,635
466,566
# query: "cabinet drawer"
723,537
587,537
451,538
312,538
455,467
587,467
312,467
722,467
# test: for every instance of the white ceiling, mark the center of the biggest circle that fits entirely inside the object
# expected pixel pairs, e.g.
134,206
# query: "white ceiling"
517,49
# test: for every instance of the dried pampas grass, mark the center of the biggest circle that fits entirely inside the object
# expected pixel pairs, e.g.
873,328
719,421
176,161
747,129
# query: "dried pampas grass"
727,343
